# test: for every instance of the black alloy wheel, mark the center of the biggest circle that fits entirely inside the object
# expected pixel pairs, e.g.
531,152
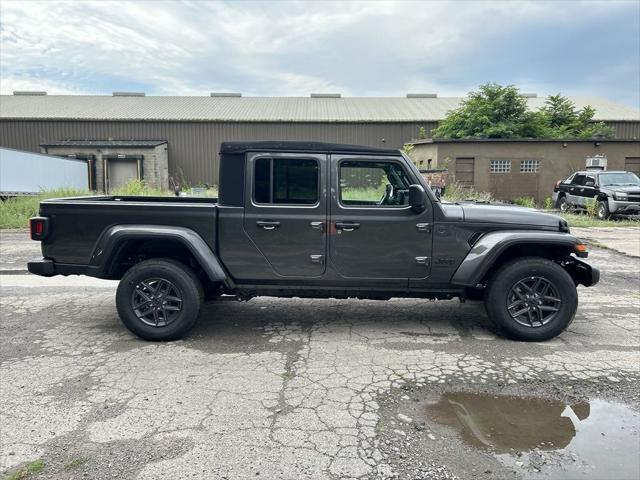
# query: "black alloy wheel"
533,301
156,302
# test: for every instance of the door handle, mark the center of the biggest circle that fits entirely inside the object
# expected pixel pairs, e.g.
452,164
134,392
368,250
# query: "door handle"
267,225
317,225
347,226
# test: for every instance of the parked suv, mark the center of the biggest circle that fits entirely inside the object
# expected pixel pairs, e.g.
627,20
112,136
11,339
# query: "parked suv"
616,192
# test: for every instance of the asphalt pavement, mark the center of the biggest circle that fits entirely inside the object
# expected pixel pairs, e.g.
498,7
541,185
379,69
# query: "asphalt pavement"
298,389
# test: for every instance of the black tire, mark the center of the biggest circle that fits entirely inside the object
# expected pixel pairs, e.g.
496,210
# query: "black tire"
563,204
603,209
506,287
148,284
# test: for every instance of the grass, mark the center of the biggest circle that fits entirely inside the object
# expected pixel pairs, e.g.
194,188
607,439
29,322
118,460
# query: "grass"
15,212
366,194
75,463
525,202
23,472
585,220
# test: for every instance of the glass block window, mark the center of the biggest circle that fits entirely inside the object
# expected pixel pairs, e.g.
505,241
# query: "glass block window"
500,166
529,166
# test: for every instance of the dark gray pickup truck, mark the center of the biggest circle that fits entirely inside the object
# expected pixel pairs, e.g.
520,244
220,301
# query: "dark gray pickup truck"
298,219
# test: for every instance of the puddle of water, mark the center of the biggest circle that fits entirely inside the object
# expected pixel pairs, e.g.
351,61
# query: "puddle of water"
550,439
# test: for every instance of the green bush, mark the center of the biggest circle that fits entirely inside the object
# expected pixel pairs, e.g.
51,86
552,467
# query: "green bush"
525,202
548,203
456,192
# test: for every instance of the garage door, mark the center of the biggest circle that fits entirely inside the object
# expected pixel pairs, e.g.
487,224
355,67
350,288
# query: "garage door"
632,164
120,172
464,170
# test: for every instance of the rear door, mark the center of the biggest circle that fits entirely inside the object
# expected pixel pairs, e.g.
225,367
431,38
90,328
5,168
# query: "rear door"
286,211
374,234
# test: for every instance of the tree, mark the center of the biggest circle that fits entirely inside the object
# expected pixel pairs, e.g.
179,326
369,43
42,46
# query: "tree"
496,111
493,111
562,120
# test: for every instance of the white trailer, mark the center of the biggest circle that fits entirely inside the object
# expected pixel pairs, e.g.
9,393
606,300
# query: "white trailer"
27,173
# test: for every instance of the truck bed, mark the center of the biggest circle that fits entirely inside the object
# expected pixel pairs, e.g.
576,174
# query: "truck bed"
78,222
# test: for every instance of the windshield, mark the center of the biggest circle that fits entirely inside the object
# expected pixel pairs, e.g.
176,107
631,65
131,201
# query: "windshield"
619,179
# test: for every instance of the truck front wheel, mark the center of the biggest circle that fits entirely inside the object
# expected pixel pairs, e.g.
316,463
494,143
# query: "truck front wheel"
159,299
531,299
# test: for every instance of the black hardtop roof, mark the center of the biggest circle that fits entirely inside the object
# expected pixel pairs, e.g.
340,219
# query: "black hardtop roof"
270,146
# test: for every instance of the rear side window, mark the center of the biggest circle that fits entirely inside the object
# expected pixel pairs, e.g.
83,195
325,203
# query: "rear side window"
285,181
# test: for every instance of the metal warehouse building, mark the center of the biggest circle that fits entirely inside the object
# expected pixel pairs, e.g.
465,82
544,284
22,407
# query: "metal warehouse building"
127,134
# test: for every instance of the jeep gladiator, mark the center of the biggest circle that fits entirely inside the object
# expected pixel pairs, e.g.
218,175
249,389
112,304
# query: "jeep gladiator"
307,219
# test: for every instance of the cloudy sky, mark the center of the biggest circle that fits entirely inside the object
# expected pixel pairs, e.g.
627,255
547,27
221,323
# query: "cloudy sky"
293,48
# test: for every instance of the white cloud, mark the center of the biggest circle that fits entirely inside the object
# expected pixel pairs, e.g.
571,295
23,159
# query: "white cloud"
276,48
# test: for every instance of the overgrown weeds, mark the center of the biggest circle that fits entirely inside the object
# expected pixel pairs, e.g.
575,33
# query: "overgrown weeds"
456,192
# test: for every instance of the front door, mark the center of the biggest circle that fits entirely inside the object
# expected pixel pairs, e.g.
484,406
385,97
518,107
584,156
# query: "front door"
589,190
286,211
374,234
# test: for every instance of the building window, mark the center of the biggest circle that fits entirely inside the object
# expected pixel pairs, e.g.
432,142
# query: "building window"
529,166
500,166
286,181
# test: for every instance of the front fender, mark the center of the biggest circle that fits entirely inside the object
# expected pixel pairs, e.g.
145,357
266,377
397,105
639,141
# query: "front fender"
489,248
113,238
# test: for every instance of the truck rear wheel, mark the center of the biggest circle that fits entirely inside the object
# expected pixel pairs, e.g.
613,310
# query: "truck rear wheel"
159,299
531,299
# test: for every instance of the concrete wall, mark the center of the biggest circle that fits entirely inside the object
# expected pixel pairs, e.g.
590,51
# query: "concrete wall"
557,161
155,164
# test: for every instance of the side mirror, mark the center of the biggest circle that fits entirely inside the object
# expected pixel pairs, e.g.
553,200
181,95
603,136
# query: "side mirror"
417,198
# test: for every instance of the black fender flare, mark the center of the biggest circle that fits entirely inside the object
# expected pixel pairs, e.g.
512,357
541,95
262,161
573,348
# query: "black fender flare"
112,238
491,245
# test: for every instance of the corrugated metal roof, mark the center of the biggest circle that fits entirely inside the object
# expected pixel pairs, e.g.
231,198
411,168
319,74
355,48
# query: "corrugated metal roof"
261,109
105,143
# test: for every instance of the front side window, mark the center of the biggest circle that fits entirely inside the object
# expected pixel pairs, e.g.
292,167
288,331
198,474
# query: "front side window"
500,166
287,181
579,179
529,166
373,184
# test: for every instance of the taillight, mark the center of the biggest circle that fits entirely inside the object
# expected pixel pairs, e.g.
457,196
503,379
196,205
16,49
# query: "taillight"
39,227
557,185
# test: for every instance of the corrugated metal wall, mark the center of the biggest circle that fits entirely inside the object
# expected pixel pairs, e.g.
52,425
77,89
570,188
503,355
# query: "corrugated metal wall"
630,130
194,146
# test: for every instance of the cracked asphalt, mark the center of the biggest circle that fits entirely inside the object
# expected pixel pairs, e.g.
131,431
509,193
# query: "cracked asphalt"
282,388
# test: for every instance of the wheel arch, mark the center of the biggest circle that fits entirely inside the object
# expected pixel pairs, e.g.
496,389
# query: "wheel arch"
120,246
496,248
